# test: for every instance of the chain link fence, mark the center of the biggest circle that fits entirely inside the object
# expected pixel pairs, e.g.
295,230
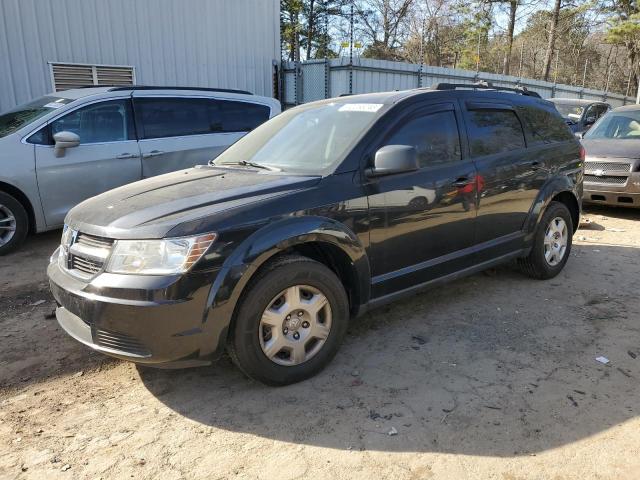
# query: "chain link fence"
318,79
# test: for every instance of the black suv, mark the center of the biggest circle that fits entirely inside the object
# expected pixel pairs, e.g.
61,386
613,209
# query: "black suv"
323,212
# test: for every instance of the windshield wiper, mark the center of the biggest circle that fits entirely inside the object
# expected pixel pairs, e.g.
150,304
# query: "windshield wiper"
247,163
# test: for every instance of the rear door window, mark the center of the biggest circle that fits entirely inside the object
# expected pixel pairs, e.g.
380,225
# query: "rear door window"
178,117
102,122
494,131
173,117
434,136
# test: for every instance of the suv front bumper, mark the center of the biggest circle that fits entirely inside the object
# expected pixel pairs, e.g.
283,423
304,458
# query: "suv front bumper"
155,320
627,195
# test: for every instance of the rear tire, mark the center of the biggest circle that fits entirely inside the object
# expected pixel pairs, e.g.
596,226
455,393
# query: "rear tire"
290,323
14,223
551,244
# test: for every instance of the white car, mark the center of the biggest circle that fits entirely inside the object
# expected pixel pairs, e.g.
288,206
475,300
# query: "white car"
63,148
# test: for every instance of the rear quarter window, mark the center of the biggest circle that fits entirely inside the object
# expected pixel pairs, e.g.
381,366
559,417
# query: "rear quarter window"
240,116
545,126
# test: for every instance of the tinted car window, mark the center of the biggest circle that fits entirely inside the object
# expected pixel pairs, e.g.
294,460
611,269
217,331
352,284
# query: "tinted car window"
602,110
434,136
240,116
494,131
174,117
100,122
545,126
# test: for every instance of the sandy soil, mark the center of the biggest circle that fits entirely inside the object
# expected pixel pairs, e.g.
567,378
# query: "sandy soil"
493,376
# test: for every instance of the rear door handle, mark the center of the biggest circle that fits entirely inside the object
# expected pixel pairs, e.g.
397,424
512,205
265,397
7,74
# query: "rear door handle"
126,155
462,182
152,153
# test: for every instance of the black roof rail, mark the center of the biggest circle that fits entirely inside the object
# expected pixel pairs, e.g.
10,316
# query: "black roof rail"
482,85
116,88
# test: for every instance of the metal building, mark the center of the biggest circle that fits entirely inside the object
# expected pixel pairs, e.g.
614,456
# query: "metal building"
49,44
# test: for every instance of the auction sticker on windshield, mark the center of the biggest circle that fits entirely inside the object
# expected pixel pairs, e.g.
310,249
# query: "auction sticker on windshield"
360,107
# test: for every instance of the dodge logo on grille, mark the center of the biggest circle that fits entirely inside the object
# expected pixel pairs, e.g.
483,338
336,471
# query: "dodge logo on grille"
599,172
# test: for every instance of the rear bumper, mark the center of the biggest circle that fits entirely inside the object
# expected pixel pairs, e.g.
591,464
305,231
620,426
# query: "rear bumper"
145,320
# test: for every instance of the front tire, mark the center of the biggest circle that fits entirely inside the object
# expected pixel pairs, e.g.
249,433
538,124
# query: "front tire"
290,323
14,223
551,245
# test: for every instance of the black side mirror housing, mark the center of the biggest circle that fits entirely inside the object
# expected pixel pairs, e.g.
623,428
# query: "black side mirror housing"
392,159
590,120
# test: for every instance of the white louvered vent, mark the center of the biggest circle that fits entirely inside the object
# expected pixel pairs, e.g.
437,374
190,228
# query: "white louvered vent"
65,76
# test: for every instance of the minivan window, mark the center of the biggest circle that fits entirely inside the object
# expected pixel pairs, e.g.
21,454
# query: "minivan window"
494,131
173,117
434,136
15,119
240,116
109,121
310,139
177,117
624,125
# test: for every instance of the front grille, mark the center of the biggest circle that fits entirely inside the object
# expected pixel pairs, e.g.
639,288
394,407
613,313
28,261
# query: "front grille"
93,241
121,342
85,265
87,254
605,179
608,167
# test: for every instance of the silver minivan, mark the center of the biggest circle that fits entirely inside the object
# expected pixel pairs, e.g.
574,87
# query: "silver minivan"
63,148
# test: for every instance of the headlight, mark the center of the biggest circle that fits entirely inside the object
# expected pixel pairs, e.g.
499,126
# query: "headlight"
158,257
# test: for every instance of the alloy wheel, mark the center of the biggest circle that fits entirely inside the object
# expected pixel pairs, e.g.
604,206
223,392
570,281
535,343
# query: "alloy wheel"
7,225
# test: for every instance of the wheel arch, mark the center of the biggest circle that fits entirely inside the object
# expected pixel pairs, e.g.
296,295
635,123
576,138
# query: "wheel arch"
24,201
322,239
560,189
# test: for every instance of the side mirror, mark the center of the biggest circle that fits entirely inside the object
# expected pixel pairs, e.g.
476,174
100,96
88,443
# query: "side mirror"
590,120
64,140
392,159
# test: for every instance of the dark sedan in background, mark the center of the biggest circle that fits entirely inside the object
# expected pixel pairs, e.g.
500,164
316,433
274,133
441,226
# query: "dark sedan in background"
580,114
612,166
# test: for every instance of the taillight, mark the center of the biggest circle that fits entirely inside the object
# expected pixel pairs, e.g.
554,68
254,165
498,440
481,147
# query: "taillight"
583,153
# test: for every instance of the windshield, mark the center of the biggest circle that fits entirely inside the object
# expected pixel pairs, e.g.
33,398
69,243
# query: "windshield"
309,139
620,125
569,111
15,119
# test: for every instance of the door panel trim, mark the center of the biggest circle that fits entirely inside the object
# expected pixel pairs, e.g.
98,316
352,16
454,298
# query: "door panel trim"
446,258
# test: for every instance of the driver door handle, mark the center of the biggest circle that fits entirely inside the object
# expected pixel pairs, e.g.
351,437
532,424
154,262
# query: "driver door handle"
126,155
152,153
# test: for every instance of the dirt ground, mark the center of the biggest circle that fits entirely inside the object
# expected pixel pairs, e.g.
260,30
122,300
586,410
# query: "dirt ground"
491,377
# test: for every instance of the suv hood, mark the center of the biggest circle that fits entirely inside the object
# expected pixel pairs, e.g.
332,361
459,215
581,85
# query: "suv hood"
612,148
150,208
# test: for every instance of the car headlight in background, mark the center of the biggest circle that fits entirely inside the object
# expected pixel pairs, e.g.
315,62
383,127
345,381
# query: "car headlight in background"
158,257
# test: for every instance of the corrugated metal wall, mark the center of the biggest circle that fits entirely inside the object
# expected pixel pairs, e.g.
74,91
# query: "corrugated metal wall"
306,82
212,43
